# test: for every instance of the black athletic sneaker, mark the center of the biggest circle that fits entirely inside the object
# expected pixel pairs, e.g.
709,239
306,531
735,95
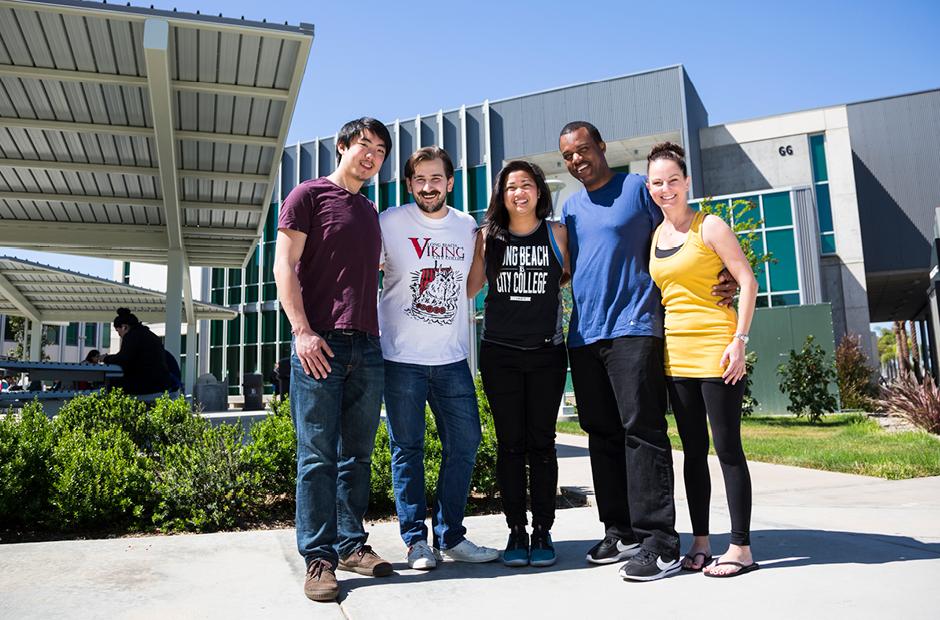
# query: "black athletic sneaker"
611,550
649,566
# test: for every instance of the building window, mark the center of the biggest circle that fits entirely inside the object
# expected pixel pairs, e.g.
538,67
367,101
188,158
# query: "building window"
455,197
827,238
91,335
387,196
778,282
234,287
71,335
477,192
52,334
126,276
251,278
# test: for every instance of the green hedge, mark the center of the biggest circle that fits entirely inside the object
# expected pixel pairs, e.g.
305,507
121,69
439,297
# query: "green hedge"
109,462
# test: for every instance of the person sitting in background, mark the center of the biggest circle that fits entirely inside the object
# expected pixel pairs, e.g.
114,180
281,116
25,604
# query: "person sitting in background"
141,357
93,357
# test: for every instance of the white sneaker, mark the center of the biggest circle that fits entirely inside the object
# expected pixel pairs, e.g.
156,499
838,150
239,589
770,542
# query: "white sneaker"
466,551
420,556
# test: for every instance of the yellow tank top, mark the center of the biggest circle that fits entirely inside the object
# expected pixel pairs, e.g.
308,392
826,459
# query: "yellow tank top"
697,329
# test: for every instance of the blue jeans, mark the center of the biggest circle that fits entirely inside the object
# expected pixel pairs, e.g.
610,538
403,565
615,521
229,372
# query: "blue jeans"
450,392
335,419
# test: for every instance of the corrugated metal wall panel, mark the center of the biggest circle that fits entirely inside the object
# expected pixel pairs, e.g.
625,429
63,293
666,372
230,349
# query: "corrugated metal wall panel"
308,161
387,171
807,245
452,135
896,159
429,131
475,138
327,156
697,119
288,171
406,144
621,108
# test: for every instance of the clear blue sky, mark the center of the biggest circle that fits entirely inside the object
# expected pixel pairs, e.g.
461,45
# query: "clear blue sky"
394,60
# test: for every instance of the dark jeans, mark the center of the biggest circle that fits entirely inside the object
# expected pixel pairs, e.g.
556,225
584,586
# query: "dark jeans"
524,389
692,400
621,394
450,392
335,419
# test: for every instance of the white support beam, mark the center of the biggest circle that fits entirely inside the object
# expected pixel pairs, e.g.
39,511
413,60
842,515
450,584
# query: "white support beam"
66,75
68,166
130,130
35,340
20,233
83,199
228,206
148,316
175,266
8,290
67,126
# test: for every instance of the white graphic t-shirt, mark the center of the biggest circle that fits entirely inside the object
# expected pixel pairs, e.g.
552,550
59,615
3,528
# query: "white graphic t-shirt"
423,307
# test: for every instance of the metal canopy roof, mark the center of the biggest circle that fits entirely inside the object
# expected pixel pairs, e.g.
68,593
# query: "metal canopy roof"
128,132
47,294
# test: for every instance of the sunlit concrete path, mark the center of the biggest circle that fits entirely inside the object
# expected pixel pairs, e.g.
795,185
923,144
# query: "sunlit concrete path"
830,545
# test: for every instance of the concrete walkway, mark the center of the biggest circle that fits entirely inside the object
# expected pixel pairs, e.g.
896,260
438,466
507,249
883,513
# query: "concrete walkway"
830,545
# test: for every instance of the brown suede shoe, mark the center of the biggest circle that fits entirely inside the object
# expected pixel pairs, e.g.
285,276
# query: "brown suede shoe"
320,584
365,561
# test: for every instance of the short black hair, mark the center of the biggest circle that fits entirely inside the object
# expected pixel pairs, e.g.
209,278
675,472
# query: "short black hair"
573,126
354,129
429,153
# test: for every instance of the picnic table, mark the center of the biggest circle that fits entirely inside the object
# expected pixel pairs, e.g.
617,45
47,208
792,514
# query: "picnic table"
66,372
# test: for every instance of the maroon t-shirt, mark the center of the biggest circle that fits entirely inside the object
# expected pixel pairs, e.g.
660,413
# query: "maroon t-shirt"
339,267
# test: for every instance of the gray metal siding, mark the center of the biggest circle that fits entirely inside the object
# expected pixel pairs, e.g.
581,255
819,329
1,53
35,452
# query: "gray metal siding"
308,160
406,144
327,156
387,171
697,119
288,171
429,130
475,140
621,108
452,136
896,161
807,245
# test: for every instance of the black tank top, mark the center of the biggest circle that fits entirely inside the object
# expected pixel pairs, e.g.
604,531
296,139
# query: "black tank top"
522,308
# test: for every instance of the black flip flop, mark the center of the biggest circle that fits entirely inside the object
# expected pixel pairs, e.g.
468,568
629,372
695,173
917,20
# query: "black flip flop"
706,559
744,569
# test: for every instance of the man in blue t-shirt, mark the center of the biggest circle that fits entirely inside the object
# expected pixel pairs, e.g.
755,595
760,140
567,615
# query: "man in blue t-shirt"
615,345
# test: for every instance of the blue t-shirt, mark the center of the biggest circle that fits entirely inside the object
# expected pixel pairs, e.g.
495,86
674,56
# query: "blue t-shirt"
609,233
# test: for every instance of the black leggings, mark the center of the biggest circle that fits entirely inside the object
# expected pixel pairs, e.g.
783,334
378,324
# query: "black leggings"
524,389
691,400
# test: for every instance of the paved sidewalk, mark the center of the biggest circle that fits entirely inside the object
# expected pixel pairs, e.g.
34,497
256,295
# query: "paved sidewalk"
831,546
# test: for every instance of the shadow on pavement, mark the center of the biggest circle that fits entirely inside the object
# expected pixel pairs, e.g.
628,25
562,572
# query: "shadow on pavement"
775,549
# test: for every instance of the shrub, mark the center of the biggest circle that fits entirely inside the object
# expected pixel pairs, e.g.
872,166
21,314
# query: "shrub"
272,452
749,403
484,472
917,403
381,494
854,375
26,442
172,421
98,478
104,410
205,485
805,379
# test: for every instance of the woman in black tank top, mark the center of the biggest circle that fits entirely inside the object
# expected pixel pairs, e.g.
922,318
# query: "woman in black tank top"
523,361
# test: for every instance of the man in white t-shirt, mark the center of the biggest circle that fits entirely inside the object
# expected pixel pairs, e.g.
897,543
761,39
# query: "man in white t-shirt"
427,253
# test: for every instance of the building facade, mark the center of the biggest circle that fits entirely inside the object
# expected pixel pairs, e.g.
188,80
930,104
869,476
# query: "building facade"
843,196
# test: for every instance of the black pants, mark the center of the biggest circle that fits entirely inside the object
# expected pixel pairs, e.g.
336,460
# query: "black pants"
692,400
524,389
621,394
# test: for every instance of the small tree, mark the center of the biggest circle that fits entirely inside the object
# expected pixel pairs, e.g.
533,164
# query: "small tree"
742,216
18,327
854,375
805,379
750,403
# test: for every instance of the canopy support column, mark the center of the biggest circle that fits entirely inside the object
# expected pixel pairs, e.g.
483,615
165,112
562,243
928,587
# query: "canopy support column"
174,301
35,343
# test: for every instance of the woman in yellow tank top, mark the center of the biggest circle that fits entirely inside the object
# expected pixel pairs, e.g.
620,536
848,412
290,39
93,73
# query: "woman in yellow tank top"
704,354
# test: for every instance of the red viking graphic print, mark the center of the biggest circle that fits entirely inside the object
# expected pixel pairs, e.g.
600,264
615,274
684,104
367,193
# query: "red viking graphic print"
435,292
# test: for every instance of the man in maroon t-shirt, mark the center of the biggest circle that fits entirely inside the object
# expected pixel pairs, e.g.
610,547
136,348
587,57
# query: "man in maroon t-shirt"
325,266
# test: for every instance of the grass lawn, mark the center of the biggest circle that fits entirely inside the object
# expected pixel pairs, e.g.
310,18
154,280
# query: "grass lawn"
848,443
